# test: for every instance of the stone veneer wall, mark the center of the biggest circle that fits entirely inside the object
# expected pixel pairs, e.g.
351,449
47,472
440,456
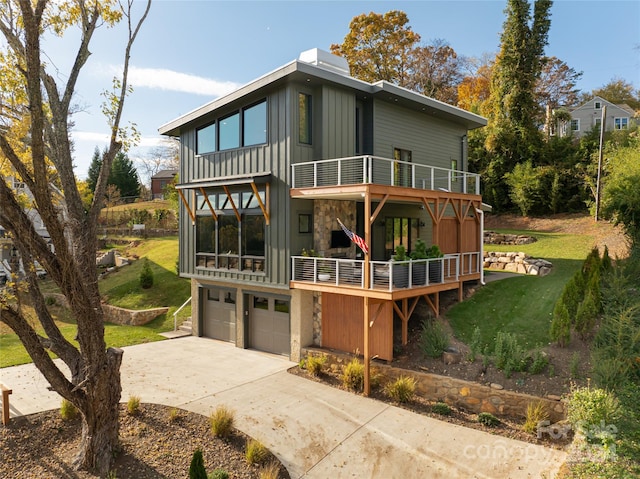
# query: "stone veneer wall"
459,393
325,213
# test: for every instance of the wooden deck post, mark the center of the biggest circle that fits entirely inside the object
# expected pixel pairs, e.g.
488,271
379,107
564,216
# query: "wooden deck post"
5,403
367,273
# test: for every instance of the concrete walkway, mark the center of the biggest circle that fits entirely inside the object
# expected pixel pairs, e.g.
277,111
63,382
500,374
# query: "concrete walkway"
315,430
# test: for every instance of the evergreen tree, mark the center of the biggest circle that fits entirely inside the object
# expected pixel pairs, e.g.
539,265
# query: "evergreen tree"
197,469
94,170
124,176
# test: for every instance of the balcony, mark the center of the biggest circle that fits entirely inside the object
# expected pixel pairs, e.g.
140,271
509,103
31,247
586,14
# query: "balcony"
389,277
381,171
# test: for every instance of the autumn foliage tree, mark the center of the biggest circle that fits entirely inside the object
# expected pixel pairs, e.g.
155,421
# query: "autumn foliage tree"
35,146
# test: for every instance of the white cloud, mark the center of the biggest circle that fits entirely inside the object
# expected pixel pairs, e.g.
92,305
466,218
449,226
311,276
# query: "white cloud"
169,80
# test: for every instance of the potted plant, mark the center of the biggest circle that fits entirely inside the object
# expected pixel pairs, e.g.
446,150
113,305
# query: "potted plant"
307,265
435,266
324,271
419,268
401,270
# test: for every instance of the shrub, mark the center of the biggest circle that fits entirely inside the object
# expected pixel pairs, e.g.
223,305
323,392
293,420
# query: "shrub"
255,452
573,293
488,419
560,331
50,300
146,275
539,361
433,339
574,365
196,469
402,389
608,372
353,375
221,421
508,354
270,470
441,408
218,474
133,405
475,347
315,364
536,412
591,408
586,316
174,414
67,410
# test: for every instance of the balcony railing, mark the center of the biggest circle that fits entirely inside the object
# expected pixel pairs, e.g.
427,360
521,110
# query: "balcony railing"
382,171
385,275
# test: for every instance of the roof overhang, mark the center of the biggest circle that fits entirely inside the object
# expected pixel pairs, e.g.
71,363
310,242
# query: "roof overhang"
220,181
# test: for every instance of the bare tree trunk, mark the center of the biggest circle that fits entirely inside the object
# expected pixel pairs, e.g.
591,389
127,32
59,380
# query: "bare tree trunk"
100,431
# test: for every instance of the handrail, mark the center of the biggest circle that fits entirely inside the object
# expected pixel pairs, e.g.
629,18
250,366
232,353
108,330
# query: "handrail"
175,315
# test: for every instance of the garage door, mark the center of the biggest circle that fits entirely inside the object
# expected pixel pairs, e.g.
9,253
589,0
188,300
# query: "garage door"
269,324
219,318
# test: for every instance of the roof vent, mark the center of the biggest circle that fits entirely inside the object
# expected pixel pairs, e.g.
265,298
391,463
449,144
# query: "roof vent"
325,60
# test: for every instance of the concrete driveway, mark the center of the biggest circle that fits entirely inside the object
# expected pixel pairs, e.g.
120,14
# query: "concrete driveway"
315,430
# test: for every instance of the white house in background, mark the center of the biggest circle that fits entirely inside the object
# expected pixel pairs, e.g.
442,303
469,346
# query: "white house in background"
588,115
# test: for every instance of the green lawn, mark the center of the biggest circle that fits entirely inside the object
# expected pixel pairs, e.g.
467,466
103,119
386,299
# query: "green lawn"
522,305
122,289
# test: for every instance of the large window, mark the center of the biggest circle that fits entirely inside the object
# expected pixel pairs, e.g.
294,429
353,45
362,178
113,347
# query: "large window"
229,131
227,243
401,168
304,118
621,123
206,139
400,231
575,124
254,124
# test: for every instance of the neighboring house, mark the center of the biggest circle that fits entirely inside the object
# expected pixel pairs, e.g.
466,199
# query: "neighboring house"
160,180
267,171
589,115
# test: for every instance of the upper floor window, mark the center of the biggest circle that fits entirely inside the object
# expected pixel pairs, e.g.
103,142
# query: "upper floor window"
254,124
229,131
304,118
597,105
596,122
206,139
401,168
575,124
621,123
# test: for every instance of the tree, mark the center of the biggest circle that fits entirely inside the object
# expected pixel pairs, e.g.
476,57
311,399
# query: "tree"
475,89
556,85
379,47
437,71
163,157
124,176
94,169
34,141
513,134
618,91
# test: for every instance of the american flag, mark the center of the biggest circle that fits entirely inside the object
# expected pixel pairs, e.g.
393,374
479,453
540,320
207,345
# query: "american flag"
354,237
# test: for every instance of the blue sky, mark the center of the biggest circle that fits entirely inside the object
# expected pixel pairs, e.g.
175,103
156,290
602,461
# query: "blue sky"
190,52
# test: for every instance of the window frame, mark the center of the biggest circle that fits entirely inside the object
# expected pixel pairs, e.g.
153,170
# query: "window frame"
238,131
577,123
618,123
243,122
215,138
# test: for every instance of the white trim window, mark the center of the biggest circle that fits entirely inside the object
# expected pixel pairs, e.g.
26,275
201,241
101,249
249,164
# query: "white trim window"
621,123
575,124
597,105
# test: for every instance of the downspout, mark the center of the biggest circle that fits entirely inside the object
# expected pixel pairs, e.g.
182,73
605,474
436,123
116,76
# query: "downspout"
481,259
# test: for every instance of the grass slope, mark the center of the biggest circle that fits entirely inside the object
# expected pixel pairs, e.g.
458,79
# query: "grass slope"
122,288
522,305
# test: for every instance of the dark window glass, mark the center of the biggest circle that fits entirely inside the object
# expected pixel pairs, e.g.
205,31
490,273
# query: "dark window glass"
228,234
254,124
281,305
253,235
206,234
206,139
304,118
229,130
260,302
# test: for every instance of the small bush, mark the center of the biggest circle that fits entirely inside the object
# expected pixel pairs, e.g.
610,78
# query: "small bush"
133,405
574,365
218,474
488,419
592,407
607,372
315,364
536,412
433,339
146,275
67,410
508,354
255,452
221,421
50,300
197,469
271,470
441,408
174,414
402,389
586,315
560,331
353,375
539,361
474,346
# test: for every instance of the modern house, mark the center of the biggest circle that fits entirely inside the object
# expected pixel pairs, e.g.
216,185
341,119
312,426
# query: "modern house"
589,115
159,182
267,171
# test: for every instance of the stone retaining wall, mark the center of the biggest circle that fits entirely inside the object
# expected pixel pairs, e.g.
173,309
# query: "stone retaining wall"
491,237
462,394
113,314
516,263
